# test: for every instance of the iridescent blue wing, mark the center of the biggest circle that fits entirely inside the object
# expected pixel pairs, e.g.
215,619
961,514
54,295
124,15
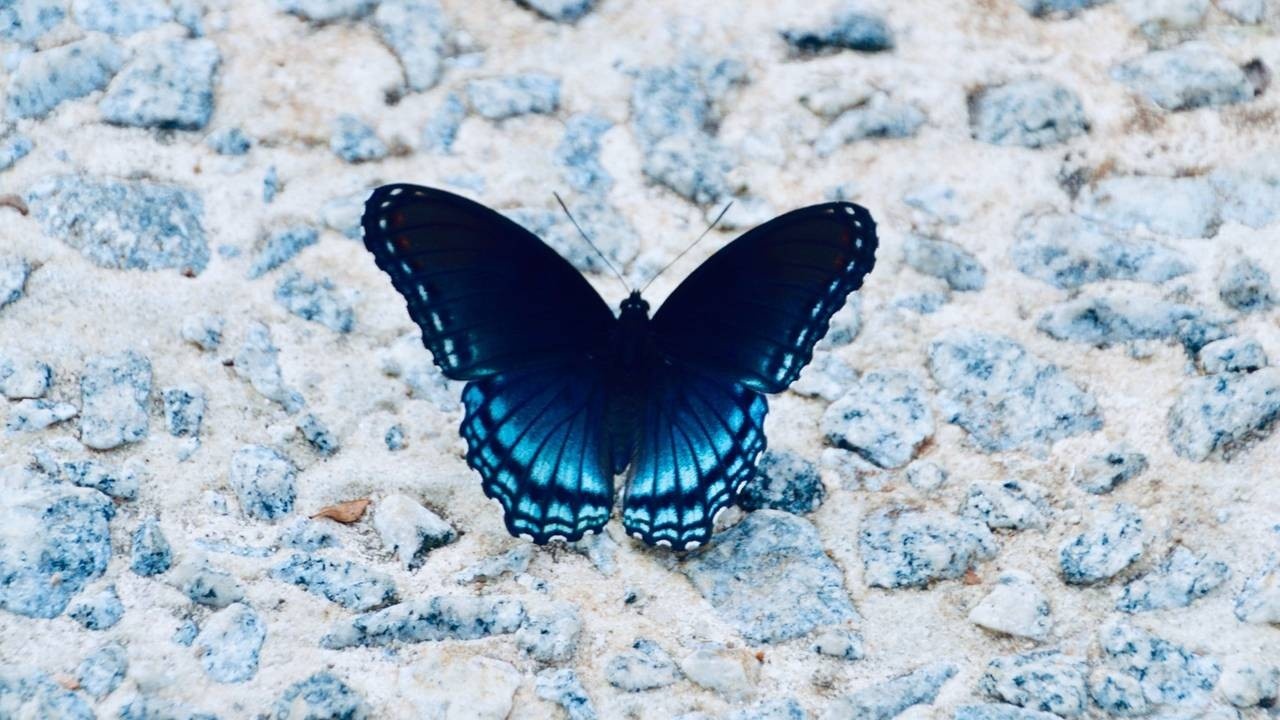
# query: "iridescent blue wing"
488,294
698,439
537,437
752,312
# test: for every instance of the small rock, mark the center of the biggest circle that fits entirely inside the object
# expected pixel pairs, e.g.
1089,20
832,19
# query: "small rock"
826,377
1179,580
945,260
21,378
1005,397
1044,680
513,562
579,154
280,247
166,85
1101,474
203,330
550,634
1222,413
1186,77
435,618
1250,191
926,476
645,667
1030,113
893,697
395,438
838,643
13,148
1248,682
327,10
40,696
1185,207
1103,321
100,611
939,202
1162,20
880,117
184,410
317,435
26,22
102,670
784,481
769,577
229,141
43,80
729,673
1259,600
150,553
441,130
563,688
911,548
601,550
500,98
315,301
257,363
145,707
354,141
229,644
14,272
263,481
846,323
120,18
206,585
1061,8
1010,505
1014,607
417,31
1246,287
36,415
1233,354
114,390
1113,543
270,185
925,303
1069,251
121,483
410,530
322,696
308,535
848,30
186,633
134,225
776,709
347,584
1142,671
608,229
999,711
884,417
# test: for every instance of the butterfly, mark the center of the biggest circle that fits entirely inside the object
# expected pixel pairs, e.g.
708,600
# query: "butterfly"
561,395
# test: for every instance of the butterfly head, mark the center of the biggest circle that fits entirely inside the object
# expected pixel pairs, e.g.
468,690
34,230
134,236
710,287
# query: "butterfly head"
635,304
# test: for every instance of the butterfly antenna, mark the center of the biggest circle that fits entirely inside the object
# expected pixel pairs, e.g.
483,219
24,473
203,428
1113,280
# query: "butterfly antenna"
691,246
593,245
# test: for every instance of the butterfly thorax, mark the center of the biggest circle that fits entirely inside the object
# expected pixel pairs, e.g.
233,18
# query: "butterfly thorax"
633,343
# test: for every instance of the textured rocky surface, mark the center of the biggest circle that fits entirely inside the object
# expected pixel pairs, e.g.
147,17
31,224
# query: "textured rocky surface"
1028,475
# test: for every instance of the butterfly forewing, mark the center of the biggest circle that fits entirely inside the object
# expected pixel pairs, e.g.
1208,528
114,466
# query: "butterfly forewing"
488,295
753,311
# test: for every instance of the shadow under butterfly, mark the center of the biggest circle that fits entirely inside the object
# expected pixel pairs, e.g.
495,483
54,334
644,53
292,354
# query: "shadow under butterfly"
562,395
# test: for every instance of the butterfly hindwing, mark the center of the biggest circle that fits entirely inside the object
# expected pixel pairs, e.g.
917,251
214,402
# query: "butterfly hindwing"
538,440
488,295
754,310
697,442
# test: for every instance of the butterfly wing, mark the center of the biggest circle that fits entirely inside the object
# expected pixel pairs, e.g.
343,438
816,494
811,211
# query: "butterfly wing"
500,309
488,294
699,436
754,310
537,437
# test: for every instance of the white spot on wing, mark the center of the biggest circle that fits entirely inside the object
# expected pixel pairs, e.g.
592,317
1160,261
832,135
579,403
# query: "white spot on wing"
663,543
395,191
692,545
526,536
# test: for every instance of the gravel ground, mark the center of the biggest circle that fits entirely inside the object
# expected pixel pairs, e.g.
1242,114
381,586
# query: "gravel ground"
1030,473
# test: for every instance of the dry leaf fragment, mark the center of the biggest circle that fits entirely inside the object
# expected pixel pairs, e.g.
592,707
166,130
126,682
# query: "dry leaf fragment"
344,512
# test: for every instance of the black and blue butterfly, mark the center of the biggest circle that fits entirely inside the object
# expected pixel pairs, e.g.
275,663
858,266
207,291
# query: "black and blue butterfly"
562,395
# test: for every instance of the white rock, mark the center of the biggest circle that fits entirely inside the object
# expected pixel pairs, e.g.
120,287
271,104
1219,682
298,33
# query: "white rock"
410,530
1014,607
1248,681
731,673
444,688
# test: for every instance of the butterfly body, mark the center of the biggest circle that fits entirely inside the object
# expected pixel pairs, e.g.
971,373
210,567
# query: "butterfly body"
563,395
